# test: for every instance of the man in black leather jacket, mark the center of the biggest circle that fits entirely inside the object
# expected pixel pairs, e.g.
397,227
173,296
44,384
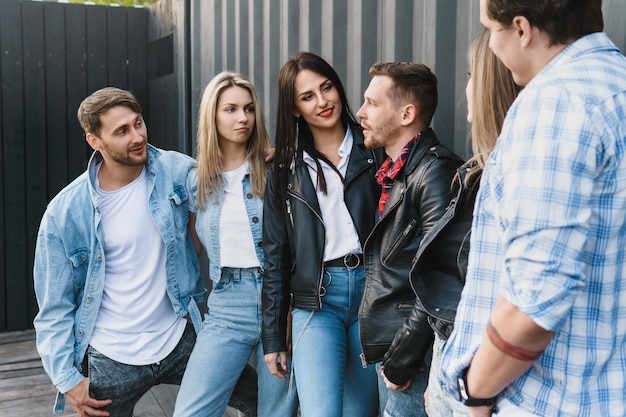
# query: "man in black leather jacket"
398,107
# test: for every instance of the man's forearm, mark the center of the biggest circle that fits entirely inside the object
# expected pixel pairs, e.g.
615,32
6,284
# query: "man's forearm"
507,351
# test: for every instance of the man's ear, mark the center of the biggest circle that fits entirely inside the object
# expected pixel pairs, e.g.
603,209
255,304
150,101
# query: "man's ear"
92,140
523,29
409,114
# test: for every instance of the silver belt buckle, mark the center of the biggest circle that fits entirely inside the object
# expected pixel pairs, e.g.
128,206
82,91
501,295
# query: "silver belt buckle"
351,261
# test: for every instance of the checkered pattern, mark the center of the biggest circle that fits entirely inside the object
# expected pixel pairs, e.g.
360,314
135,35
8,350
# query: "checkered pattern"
549,234
388,171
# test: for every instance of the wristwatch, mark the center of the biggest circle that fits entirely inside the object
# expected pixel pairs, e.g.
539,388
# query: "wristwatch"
465,397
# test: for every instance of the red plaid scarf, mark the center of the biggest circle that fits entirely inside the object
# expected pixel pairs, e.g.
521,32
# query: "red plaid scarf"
388,171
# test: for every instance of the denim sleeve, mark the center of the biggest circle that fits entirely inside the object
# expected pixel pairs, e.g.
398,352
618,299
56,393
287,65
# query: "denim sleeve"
54,324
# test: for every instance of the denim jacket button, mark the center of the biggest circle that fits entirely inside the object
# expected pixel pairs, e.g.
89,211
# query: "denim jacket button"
260,244
255,219
249,195
89,298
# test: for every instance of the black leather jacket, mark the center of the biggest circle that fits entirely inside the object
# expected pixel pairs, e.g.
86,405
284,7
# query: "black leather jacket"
294,236
438,274
418,199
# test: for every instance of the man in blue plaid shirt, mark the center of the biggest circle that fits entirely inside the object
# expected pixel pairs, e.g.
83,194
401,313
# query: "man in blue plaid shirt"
541,326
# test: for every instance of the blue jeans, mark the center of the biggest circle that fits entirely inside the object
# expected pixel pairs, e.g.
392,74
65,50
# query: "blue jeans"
230,334
329,375
407,403
440,403
126,384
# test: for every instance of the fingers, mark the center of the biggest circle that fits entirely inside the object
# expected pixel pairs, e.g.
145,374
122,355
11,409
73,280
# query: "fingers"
393,387
83,404
426,399
284,367
94,411
273,364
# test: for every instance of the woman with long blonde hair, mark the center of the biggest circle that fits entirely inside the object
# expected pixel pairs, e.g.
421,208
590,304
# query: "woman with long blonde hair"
232,144
438,273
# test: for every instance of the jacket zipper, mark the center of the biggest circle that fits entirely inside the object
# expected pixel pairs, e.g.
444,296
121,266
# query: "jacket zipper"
405,233
288,203
321,277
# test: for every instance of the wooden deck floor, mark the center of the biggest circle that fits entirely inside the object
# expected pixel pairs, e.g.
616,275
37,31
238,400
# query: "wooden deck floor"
26,390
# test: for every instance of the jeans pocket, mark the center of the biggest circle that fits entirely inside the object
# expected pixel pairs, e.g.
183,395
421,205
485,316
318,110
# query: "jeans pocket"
223,285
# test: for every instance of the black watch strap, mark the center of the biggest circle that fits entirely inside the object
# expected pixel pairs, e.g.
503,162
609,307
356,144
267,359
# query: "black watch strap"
465,397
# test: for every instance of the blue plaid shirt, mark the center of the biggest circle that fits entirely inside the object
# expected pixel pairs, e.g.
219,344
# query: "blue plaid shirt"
549,234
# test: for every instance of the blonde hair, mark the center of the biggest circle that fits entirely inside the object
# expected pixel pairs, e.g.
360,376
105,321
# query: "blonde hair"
493,92
208,151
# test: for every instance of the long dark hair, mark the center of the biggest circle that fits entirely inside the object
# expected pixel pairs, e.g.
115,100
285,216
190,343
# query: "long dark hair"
292,133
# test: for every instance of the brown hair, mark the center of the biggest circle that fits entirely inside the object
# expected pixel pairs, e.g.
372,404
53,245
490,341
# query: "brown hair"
412,82
100,102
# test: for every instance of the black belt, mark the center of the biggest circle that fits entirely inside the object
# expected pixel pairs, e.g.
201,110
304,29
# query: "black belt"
350,261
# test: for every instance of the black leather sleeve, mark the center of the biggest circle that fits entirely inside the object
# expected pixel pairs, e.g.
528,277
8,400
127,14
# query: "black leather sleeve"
435,191
406,354
275,297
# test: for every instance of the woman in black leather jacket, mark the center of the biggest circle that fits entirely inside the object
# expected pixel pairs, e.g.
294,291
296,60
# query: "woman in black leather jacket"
320,206
438,272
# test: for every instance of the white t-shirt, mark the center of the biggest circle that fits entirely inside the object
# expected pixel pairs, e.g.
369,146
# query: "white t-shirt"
236,243
136,323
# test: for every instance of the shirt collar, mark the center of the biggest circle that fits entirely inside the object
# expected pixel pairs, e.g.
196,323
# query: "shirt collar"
344,150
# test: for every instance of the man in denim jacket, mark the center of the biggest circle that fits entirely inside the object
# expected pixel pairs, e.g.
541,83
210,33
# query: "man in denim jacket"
116,271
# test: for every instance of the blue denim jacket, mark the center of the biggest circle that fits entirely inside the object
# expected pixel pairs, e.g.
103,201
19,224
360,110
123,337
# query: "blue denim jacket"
208,220
69,263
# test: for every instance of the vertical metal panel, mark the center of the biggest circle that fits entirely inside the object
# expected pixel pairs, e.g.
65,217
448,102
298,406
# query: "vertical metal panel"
350,34
369,44
97,55
614,12
403,32
35,155
314,20
353,34
242,47
293,28
257,74
165,109
118,56
8,12
339,39
56,85
231,32
13,163
137,57
75,61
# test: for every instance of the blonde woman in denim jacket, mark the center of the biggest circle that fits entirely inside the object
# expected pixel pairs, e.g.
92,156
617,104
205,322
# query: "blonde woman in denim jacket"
228,186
